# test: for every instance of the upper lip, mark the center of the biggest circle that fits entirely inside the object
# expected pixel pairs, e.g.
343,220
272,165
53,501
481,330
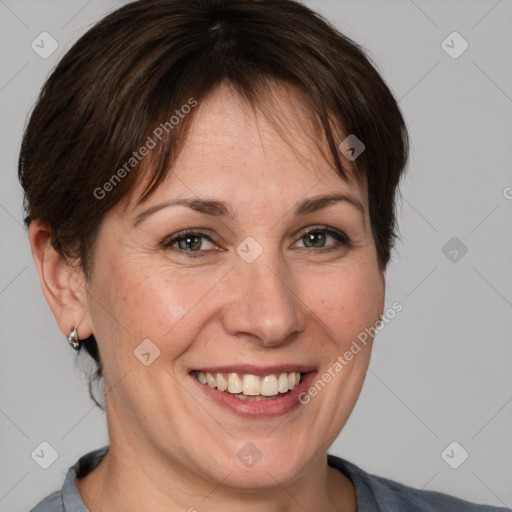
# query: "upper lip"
256,370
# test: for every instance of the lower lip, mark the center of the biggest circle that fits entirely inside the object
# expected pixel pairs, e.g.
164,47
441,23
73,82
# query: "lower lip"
268,408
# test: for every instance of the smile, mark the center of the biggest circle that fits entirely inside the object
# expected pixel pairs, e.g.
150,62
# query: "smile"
251,387
255,392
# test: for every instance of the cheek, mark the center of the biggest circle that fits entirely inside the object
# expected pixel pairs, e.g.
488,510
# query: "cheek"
346,301
138,302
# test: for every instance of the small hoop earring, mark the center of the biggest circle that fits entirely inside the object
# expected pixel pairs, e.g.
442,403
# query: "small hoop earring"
73,338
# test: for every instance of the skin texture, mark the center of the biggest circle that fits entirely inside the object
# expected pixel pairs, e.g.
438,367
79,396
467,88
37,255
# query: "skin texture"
172,447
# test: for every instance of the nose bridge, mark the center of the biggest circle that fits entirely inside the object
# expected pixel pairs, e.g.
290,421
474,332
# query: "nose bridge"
265,304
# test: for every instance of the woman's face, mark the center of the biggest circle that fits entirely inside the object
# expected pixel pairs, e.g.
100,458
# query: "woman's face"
247,294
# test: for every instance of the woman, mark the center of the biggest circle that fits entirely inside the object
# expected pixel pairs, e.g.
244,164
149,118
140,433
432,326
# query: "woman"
210,201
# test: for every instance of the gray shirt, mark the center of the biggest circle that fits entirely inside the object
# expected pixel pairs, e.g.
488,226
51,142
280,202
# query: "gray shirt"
374,493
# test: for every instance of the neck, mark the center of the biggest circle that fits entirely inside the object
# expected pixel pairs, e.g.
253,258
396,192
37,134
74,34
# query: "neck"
128,480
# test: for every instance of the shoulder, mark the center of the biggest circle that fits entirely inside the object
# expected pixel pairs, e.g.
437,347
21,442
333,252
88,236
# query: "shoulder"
52,503
68,499
418,500
376,493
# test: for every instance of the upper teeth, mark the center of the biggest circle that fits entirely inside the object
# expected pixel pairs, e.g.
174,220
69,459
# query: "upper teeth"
251,385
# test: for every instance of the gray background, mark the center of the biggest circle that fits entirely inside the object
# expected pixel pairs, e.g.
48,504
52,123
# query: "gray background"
440,371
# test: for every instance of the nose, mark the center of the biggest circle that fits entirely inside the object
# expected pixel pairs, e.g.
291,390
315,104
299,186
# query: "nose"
262,303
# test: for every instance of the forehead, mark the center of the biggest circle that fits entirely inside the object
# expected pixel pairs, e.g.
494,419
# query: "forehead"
272,147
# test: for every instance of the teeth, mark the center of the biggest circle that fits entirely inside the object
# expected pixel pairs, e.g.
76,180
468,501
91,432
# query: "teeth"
222,383
234,383
269,386
210,380
251,385
282,383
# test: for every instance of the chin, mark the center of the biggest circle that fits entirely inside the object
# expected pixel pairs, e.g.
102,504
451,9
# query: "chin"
262,464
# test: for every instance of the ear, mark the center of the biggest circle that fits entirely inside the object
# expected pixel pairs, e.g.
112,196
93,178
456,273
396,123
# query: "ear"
382,286
63,283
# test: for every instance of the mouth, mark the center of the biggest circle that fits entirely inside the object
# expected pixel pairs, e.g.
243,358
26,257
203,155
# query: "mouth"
255,392
250,387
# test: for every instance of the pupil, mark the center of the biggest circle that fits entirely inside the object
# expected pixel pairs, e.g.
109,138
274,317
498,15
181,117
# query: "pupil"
318,237
185,240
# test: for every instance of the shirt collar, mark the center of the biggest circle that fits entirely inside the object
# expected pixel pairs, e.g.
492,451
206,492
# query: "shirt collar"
71,498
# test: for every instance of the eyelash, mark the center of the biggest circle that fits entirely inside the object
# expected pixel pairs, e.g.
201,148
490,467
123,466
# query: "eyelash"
342,240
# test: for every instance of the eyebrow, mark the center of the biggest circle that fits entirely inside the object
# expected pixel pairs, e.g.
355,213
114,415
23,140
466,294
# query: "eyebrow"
216,208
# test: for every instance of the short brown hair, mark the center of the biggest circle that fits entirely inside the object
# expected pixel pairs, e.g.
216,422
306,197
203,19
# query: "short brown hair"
143,62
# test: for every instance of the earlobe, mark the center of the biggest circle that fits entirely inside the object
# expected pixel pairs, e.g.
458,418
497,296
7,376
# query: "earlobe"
63,283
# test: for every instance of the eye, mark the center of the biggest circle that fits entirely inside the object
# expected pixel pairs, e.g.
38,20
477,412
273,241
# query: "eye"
189,242
195,243
317,237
